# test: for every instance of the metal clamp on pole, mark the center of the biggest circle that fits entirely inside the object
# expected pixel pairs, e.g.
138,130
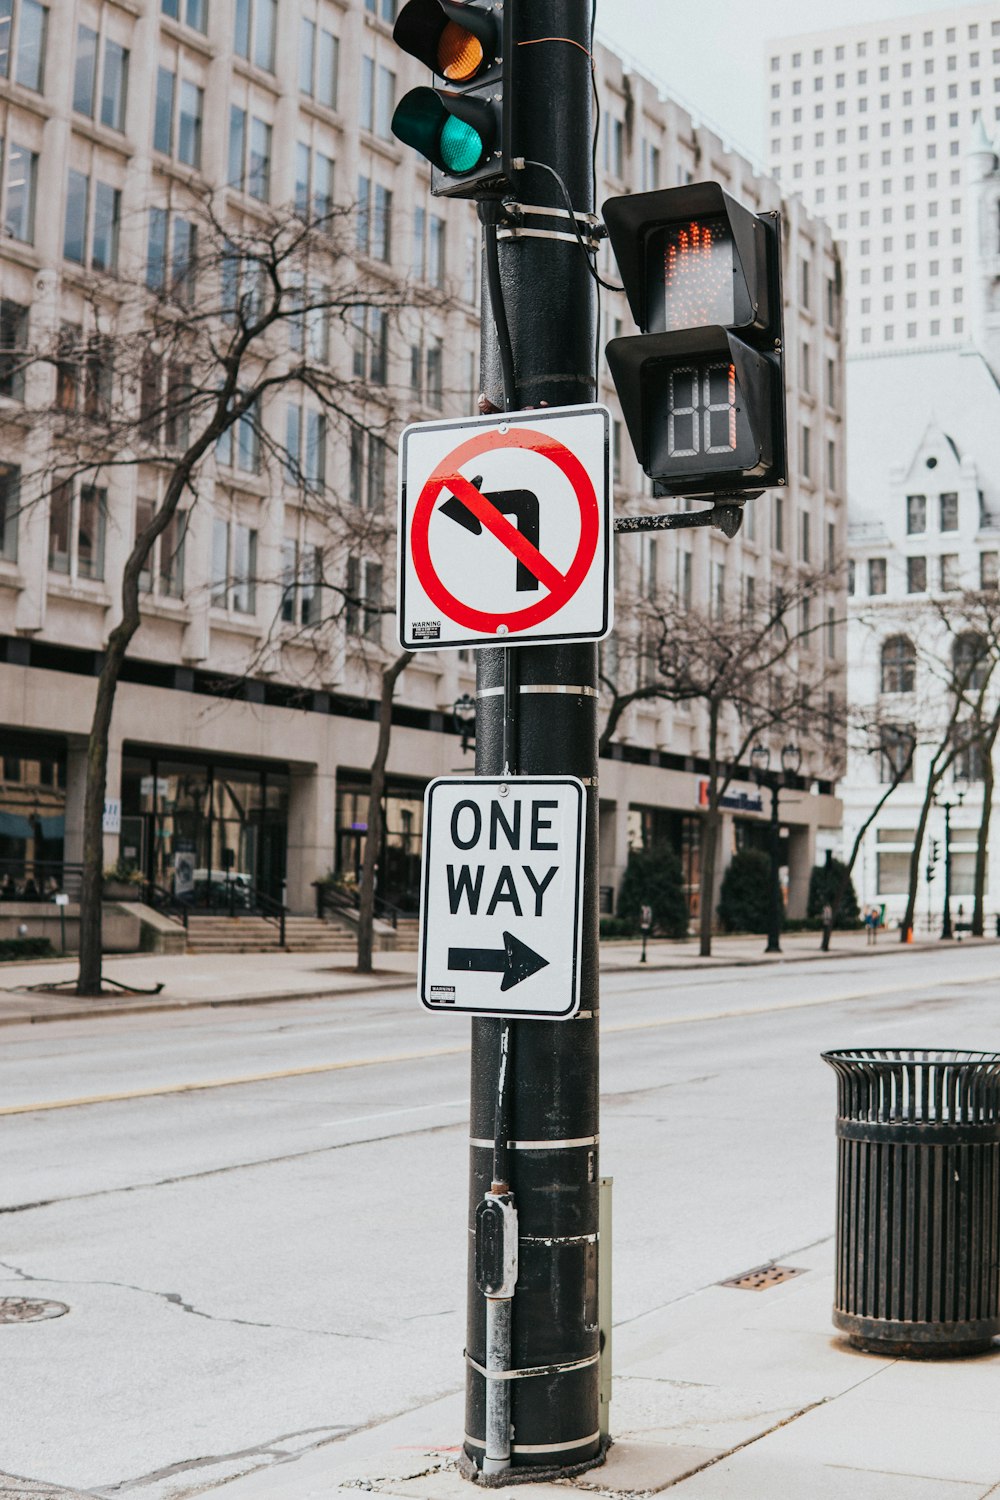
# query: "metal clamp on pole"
496,1277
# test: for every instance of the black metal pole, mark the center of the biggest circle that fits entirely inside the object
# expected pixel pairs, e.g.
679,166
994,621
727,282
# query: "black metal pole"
946,931
549,300
774,928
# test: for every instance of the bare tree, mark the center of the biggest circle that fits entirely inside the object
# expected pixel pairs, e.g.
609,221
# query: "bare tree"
751,671
894,746
190,359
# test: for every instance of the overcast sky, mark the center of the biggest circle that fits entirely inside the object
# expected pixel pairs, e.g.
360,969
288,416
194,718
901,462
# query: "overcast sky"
709,54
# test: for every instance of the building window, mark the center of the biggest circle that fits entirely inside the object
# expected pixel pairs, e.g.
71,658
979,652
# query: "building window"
899,665
189,120
163,111
13,349
434,389
367,476
916,575
23,30
373,224
319,63
313,183
111,89
249,154
949,512
305,447
91,231
896,759
164,571
386,9
370,337
301,571
779,524
171,259
876,575
195,13
614,146
84,371
254,32
970,660
851,577
950,575
77,527
916,514
385,103
10,509
363,604
19,182
805,536
234,567
989,571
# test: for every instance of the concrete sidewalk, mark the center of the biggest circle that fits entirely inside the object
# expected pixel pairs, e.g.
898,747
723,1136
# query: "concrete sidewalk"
724,1395
220,979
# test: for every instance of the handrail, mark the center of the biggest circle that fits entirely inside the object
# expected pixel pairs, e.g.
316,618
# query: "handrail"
329,896
162,900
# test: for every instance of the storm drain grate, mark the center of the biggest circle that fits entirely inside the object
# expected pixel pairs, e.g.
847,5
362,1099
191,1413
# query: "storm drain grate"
761,1277
29,1310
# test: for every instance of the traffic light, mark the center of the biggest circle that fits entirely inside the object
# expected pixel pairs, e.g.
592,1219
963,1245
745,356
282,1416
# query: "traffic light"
702,387
463,130
935,850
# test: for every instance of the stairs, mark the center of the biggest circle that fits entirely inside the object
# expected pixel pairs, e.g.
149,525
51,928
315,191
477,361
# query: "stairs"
407,933
249,934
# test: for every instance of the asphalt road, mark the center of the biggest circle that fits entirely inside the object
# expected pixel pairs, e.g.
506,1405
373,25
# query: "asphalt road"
257,1217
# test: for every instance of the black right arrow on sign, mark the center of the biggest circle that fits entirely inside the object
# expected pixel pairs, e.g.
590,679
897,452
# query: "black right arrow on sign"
515,961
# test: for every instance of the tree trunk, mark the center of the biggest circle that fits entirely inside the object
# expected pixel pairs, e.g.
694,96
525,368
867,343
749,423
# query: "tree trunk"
918,844
88,981
373,837
982,847
710,836
845,879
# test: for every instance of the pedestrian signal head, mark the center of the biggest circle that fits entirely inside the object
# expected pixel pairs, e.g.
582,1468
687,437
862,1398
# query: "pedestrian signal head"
702,388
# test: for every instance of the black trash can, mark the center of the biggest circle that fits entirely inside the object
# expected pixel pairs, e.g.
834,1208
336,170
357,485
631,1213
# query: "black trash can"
918,1201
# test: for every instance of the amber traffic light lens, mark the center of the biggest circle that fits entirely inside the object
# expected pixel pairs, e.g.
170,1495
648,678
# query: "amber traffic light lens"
460,54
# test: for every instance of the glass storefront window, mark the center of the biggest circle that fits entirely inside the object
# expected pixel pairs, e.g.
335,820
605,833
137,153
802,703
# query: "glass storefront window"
32,816
212,831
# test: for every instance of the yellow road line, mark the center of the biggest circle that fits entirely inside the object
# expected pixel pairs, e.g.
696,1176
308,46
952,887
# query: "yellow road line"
225,1083
654,1024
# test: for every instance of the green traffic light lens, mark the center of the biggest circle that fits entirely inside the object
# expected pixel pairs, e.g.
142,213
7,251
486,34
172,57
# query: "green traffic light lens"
461,146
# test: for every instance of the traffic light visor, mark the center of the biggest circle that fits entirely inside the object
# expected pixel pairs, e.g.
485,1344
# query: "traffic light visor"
453,133
456,41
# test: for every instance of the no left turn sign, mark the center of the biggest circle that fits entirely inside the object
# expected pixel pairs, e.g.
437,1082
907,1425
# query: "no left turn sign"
505,529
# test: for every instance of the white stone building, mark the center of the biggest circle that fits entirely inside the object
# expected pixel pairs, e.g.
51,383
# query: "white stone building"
233,740
870,124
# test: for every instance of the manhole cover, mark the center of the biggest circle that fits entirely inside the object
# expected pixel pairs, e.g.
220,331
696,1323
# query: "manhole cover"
29,1309
761,1277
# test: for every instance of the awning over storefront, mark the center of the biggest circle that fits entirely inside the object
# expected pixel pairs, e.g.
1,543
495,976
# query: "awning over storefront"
12,826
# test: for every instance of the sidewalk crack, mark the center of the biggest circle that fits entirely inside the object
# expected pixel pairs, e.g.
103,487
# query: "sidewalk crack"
176,1300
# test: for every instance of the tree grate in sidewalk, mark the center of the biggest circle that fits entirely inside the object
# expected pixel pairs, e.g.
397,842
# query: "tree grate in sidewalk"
761,1277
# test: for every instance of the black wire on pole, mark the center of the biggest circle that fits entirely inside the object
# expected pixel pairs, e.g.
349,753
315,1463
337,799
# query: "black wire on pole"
489,214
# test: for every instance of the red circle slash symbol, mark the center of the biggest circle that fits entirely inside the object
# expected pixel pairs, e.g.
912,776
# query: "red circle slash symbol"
560,587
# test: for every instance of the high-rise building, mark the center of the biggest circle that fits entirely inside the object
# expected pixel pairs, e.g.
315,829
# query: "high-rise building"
871,125
242,736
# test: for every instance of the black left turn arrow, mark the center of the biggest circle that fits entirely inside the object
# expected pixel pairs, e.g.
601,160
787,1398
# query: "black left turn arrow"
515,961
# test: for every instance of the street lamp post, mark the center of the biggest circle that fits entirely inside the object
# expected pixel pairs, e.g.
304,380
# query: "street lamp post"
463,712
760,760
946,931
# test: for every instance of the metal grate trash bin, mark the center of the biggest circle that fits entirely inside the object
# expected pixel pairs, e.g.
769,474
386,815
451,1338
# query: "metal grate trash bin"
918,1201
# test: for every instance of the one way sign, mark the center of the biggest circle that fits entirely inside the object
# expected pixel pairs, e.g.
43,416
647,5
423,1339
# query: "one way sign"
500,911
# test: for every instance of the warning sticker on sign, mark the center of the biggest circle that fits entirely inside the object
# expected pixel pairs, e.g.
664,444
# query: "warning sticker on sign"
505,529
